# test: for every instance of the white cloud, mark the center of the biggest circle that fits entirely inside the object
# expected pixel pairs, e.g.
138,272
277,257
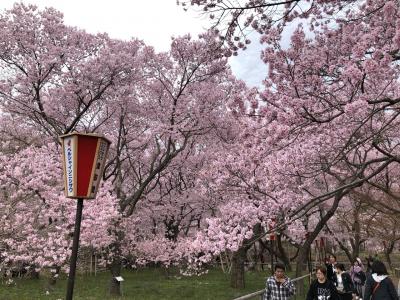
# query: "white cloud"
153,21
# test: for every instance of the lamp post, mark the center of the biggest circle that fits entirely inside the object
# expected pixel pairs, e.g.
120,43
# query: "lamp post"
84,157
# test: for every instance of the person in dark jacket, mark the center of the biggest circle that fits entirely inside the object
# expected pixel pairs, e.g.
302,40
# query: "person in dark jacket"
322,288
369,260
331,268
378,285
344,284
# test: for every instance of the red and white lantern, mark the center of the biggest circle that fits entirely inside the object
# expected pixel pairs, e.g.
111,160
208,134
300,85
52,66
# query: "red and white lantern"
84,157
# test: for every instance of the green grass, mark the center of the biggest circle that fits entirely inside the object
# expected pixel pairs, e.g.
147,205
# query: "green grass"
139,284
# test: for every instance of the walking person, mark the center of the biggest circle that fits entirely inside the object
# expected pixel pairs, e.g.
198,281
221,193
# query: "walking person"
344,284
379,286
358,277
369,260
279,286
322,288
331,268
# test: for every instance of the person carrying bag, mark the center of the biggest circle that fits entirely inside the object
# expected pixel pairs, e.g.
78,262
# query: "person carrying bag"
379,286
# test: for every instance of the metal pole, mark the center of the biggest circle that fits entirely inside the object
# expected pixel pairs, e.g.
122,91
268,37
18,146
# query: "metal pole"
75,245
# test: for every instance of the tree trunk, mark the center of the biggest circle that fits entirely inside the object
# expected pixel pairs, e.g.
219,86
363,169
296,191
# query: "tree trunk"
388,259
282,254
33,274
387,252
115,269
301,266
237,274
278,251
302,258
167,272
261,255
346,250
355,241
116,262
357,236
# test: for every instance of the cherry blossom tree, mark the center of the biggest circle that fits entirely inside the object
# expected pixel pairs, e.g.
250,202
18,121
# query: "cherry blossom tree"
159,109
201,165
178,109
327,120
37,220
44,61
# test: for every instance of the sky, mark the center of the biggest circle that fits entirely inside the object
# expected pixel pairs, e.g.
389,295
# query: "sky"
153,21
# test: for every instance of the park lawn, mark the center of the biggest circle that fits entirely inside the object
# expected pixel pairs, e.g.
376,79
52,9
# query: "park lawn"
139,284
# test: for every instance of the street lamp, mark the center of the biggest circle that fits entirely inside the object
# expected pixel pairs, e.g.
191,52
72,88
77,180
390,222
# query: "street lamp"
84,157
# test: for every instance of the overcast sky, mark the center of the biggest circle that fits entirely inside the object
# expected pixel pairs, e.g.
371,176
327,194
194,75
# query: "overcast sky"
153,21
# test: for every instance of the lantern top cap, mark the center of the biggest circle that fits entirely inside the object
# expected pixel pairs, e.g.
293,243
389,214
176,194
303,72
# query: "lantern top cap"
85,134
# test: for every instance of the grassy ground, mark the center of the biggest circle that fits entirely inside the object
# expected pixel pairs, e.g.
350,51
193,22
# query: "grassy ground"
140,284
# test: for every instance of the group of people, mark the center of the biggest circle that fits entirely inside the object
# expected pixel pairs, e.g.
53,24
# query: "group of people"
334,283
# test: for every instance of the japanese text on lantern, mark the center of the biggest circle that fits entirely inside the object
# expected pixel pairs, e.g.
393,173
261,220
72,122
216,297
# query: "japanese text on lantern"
69,165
